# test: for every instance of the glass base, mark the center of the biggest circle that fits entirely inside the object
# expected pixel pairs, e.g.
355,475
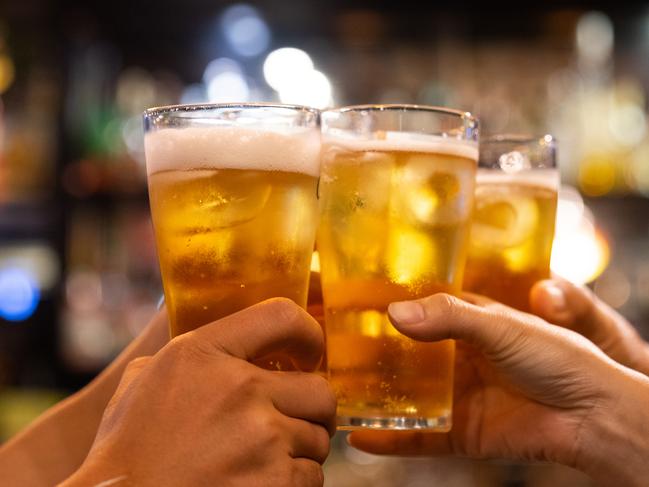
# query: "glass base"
439,424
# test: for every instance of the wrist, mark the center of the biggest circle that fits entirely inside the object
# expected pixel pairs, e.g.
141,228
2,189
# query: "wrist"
613,446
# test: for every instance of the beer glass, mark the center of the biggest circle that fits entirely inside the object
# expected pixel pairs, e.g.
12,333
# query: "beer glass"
513,221
396,192
233,200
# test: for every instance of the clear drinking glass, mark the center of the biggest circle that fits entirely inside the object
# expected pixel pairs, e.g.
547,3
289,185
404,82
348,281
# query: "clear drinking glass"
396,193
513,221
233,200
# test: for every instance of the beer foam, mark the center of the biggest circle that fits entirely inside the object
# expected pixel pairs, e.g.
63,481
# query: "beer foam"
219,147
543,178
406,141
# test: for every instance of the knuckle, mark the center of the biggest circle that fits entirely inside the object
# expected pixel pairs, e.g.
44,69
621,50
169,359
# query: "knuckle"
243,378
321,443
186,347
178,346
267,431
327,395
306,474
137,364
441,304
283,309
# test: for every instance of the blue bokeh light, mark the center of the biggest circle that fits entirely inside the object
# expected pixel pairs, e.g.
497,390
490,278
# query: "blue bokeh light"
19,294
245,30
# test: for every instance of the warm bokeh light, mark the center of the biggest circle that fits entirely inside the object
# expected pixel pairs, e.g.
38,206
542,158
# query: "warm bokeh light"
315,262
580,252
7,72
597,175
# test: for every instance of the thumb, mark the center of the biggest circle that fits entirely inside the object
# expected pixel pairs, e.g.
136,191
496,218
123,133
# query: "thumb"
443,316
564,304
574,307
521,345
276,325
577,308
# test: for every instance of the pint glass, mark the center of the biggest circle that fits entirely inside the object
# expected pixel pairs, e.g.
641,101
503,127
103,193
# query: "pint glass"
513,222
396,192
233,200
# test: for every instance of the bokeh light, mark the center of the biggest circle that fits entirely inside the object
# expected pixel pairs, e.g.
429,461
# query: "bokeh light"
225,81
245,30
133,137
219,66
39,260
313,89
228,87
290,71
194,93
580,252
7,72
628,124
19,294
315,261
135,91
594,38
284,66
597,175
613,287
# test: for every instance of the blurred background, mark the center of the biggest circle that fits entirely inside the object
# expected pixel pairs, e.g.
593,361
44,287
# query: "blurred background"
78,269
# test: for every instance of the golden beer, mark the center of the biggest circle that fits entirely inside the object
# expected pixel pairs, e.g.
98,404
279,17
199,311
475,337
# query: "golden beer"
394,226
235,214
511,240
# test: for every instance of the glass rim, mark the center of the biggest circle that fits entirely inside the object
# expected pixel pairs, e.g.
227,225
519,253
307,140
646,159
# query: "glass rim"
402,106
514,138
195,107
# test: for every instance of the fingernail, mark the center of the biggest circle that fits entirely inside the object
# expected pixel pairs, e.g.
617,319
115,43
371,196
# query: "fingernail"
407,312
161,302
557,297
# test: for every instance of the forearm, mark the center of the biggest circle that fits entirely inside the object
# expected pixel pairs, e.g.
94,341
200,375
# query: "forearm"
57,443
614,448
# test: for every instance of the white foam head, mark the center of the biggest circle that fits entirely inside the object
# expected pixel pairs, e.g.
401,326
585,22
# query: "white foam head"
405,141
219,147
544,178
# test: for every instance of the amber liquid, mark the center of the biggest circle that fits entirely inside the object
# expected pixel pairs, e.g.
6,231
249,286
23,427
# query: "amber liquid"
230,238
394,226
511,241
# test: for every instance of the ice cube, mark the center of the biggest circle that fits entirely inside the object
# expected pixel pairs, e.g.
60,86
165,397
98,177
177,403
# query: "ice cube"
433,192
502,220
233,201
513,162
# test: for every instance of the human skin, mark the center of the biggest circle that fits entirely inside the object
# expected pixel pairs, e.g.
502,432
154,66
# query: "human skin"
526,390
200,413
55,445
577,308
